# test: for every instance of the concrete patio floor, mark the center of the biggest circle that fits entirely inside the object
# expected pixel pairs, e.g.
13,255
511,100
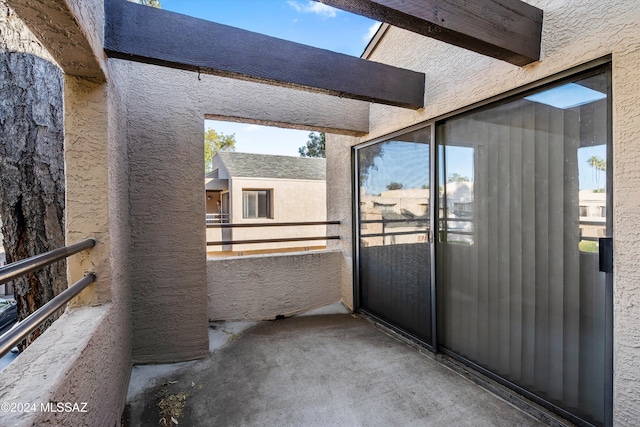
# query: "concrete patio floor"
321,370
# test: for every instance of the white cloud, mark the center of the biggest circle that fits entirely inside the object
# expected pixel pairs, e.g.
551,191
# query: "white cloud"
253,128
313,7
321,9
294,4
372,31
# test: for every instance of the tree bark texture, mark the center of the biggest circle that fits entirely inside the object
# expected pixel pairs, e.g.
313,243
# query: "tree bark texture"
31,162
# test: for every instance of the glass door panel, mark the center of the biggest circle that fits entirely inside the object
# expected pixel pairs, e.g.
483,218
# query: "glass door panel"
523,200
394,248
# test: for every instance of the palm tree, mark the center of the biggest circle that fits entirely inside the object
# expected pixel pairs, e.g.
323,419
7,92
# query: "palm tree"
599,165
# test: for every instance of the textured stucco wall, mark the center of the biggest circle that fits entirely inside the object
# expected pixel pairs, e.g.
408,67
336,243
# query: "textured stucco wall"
293,200
165,134
626,212
87,209
238,100
165,129
77,360
90,345
339,206
262,287
574,32
71,30
98,206
119,327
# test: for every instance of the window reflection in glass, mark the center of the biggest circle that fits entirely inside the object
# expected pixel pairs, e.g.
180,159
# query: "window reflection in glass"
592,166
526,299
394,192
394,255
456,194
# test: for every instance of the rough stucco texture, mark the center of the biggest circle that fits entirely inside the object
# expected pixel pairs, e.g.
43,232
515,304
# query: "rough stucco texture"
292,201
87,210
165,129
626,118
90,347
574,32
166,206
339,207
264,286
97,206
63,26
239,100
73,361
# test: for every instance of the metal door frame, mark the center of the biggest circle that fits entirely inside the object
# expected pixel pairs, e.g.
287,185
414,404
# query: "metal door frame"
431,241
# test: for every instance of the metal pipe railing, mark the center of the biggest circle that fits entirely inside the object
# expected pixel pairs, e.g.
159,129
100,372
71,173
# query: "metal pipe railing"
20,268
283,240
270,224
396,233
19,332
14,270
393,221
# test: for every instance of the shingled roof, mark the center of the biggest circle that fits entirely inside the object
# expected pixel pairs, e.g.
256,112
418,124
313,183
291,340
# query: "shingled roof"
249,165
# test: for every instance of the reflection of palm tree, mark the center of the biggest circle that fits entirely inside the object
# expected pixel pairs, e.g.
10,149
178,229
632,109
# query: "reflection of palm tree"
456,177
599,165
366,160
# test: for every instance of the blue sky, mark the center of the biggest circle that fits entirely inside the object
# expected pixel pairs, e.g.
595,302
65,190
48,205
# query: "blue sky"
301,21
401,162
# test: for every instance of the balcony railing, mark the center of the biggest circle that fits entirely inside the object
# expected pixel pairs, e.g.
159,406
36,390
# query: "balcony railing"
213,218
17,269
456,229
228,226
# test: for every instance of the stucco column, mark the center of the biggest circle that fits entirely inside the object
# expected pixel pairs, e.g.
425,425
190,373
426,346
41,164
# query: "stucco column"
165,134
340,206
626,211
86,163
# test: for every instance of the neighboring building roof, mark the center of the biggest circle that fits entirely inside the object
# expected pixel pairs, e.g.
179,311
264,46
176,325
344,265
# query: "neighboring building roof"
249,165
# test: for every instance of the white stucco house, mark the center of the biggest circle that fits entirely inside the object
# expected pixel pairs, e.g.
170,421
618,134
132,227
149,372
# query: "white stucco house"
246,188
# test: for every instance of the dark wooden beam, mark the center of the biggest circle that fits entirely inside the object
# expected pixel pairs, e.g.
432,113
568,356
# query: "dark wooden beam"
509,30
156,36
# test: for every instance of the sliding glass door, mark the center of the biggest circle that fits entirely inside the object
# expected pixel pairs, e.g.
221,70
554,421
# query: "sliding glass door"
394,248
524,200
523,253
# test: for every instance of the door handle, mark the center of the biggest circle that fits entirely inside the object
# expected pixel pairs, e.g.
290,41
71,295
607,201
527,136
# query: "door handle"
605,246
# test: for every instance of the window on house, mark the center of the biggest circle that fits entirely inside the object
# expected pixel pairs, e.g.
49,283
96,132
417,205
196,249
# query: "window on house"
385,207
256,204
584,211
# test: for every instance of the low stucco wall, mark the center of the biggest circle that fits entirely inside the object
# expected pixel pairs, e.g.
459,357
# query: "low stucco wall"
264,286
79,359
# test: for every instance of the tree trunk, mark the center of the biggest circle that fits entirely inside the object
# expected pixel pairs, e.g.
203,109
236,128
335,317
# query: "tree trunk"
31,162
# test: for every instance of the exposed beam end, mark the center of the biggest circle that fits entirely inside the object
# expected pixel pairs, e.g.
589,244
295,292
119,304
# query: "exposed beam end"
509,30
